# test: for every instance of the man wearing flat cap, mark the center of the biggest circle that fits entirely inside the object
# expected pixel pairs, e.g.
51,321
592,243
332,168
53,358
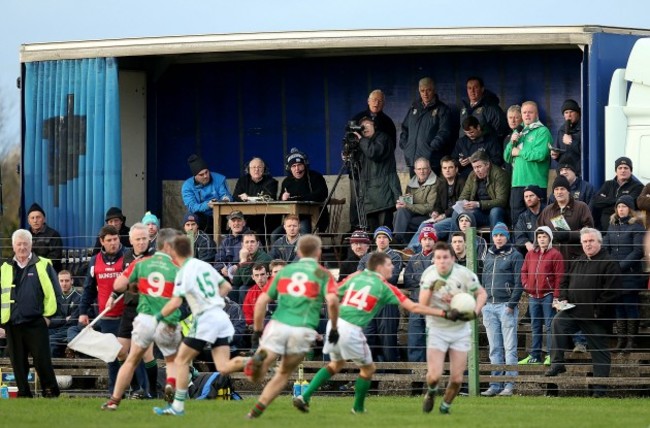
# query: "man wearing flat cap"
202,190
567,146
46,241
623,183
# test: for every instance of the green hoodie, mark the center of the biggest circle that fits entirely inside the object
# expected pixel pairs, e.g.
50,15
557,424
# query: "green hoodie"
532,164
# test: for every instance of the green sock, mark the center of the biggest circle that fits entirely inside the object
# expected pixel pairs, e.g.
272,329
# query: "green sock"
361,388
322,376
433,389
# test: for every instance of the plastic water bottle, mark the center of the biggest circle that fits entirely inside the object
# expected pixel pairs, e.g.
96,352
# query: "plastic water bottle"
4,392
297,388
303,387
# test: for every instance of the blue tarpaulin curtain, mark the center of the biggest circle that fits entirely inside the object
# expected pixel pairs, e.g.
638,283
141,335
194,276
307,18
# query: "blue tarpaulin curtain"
72,154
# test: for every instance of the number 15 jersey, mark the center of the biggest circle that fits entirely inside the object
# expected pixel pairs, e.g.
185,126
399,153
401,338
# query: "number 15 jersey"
198,283
363,294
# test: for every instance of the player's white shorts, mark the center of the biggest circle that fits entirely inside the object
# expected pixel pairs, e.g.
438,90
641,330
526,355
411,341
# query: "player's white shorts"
445,338
352,344
284,339
212,325
147,330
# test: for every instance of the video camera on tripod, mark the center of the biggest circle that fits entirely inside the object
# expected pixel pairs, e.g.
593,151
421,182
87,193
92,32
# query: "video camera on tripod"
350,139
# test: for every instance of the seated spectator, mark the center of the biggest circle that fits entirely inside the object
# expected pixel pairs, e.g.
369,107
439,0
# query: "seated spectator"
228,252
643,201
502,281
238,344
412,273
115,218
624,241
153,225
285,247
203,245
527,222
541,274
465,221
258,182
249,255
624,183
260,278
67,316
202,190
475,139
359,246
567,147
486,192
422,189
46,242
580,189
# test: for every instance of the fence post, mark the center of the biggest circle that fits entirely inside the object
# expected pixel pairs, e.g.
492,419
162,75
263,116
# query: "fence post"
472,357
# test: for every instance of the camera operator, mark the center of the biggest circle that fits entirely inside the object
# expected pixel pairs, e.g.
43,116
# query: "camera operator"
374,153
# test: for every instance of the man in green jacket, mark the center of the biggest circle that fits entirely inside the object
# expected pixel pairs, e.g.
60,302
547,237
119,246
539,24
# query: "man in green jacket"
529,152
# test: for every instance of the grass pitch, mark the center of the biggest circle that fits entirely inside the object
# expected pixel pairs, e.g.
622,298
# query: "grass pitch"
390,412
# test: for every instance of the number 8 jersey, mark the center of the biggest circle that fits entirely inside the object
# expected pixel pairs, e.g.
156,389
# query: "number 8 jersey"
363,294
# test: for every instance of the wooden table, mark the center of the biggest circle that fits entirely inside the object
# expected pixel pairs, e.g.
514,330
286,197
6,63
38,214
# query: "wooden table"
269,208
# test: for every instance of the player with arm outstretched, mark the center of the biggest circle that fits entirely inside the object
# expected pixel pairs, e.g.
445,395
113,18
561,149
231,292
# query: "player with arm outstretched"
204,289
300,289
362,295
438,285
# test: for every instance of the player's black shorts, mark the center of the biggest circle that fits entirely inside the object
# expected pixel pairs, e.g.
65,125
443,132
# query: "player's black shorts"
126,322
198,344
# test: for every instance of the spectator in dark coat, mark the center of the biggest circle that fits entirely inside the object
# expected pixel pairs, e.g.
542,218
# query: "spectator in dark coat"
46,242
624,183
527,221
580,189
474,139
624,241
359,246
114,217
68,315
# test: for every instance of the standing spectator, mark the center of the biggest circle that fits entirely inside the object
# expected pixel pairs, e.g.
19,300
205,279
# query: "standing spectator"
412,274
378,184
257,182
527,221
643,201
114,217
483,104
359,246
594,307
426,129
153,225
103,268
46,241
502,280
624,183
422,188
515,123
228,252
249,255
486,192
528,152
624,241
580,189
203,245
201,191
567,147
541,274
67,317
30,297
285,246
475,139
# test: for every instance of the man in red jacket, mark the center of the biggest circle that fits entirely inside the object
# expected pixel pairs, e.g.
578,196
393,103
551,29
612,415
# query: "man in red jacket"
261,277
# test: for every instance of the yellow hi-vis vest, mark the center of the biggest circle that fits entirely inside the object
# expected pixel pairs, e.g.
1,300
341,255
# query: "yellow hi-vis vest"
7,283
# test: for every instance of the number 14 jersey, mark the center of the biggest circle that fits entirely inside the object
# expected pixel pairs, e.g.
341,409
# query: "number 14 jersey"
363,294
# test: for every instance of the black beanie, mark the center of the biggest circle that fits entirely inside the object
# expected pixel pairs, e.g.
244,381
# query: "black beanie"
570,105
35,207
561,181
114,212
197,164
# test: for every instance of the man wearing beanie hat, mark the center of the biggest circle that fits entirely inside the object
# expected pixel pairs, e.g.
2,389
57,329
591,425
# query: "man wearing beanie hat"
153,224
202,190
624,183
502,281
565,217
568,142
359,246
46,241
527,221
382,330
412,274
204,246
580,189
114,217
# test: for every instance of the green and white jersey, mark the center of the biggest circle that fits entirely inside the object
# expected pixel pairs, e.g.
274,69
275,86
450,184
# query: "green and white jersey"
300,289
365,293
444,288
155,278
198,283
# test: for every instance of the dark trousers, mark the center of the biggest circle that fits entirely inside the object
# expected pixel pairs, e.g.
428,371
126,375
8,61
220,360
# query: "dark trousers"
111,326
596,332
381,334
31,338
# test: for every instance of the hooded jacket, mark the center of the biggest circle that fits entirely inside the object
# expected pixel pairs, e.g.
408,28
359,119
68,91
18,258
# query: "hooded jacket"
542,271
501,275
624,241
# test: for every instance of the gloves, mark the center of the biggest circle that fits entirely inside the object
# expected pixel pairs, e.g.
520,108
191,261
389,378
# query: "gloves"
255,339
333,337
467,316
452,315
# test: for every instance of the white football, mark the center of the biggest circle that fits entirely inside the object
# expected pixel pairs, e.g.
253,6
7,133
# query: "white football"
64,381
463,302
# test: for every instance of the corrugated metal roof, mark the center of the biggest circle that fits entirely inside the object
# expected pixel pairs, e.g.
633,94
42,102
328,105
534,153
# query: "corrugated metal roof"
238,46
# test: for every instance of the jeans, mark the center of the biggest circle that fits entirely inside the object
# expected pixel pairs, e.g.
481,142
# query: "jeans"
381,334
417,334
501,328
541,315
496,215
404,223
628,307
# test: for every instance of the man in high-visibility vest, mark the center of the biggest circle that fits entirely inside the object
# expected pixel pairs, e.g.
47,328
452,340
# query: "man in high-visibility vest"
30,296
